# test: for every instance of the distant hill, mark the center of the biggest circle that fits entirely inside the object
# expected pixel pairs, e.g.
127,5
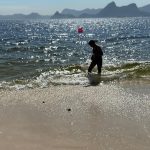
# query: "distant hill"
78,13
145,8
85,15
58,15
33,16
22,16
111,10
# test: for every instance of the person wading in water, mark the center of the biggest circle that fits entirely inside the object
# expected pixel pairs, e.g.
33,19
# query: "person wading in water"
96,57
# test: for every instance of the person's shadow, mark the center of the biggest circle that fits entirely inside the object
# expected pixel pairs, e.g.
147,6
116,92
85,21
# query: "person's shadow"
94,80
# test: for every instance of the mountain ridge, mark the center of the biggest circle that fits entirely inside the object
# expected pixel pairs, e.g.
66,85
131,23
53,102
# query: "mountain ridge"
77,13
111,10
131,10
145,8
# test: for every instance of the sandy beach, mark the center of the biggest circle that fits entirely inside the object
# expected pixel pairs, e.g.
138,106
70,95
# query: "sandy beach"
104,117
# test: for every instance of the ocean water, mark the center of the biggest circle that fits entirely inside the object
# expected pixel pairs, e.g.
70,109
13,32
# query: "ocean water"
42,53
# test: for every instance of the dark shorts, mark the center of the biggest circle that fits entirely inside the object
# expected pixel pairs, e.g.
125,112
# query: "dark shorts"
95,62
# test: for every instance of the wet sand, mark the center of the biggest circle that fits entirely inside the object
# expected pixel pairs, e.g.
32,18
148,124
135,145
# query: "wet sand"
104,117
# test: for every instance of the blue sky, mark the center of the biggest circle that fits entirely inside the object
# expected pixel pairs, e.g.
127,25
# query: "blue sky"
47,7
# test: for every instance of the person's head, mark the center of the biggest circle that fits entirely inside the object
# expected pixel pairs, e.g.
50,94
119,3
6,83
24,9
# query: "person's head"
92,43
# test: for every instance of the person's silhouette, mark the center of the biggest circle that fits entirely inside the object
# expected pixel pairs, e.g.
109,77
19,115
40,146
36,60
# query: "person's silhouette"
96,57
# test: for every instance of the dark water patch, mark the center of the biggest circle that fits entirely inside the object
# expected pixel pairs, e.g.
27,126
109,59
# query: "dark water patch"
74,68
138,69
123,66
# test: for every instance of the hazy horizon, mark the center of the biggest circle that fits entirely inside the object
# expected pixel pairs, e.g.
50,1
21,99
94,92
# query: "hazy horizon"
49,7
